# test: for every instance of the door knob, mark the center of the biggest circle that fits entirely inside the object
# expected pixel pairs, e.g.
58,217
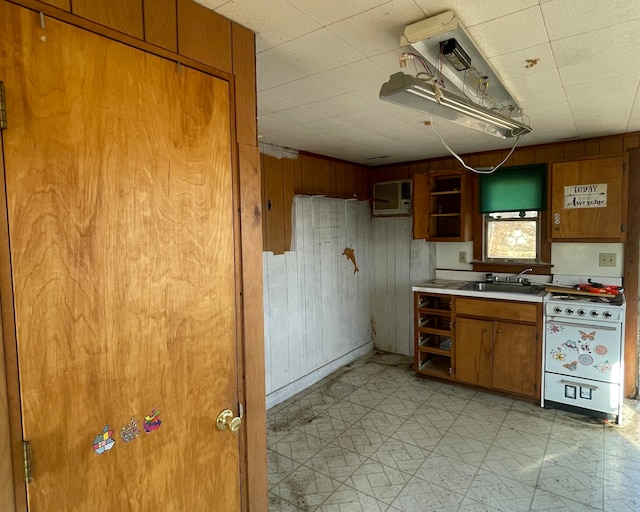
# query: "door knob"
228,421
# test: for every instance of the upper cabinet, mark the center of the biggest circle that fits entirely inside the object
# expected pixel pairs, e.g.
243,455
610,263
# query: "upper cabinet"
589,200
442,206
122,15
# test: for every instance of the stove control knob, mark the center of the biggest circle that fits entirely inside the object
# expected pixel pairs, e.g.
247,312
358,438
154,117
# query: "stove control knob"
594,313
606,314
581,312
569,311
557,310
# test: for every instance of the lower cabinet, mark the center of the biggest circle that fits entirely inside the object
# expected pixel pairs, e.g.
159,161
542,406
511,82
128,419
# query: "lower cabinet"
494,353
489,343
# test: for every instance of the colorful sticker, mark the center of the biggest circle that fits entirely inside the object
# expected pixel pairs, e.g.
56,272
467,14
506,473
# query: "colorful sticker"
555,328
570,344
557,354
103,442
152,422
585,359
571,366
585,347
587,335
601,350
130,431
603,368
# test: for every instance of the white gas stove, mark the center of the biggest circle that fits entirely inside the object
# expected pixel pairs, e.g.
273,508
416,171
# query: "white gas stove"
583,354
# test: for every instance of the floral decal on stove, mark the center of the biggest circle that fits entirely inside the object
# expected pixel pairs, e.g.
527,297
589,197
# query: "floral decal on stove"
571,366
555,327
601,350
557,354
603,367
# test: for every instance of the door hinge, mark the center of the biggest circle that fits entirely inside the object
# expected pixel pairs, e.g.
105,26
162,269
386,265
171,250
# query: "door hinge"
3,108
26,455
622,228
537,336
535,387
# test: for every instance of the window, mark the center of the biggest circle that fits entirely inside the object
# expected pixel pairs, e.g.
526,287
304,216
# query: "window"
512,236
511,202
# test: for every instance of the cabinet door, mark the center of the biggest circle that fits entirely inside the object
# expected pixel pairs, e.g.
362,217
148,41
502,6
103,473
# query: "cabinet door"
473,351
515,358
589,200
121,15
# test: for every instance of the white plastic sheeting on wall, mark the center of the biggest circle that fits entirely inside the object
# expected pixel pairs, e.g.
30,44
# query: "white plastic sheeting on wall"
399,263
317,310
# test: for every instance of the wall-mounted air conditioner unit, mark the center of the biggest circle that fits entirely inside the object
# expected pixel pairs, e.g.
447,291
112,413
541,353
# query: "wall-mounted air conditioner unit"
392,198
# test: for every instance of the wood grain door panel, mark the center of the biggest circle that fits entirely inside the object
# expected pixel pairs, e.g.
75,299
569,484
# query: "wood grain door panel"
118,177
584,223
515,358
473,351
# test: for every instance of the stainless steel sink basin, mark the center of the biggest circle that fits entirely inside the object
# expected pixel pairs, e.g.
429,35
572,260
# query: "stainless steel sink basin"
505,288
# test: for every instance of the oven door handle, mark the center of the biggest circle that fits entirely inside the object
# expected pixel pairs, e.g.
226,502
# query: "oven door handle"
588,325
580,384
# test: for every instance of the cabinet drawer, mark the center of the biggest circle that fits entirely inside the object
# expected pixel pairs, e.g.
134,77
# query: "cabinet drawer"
503,310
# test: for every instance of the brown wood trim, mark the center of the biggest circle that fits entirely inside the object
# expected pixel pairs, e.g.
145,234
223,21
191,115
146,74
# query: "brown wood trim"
631,276
96,28
255,437
244,71
11,489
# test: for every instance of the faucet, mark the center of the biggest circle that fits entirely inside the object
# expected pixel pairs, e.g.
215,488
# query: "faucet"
519,278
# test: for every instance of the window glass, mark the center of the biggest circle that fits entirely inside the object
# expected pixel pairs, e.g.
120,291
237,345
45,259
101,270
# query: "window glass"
511,235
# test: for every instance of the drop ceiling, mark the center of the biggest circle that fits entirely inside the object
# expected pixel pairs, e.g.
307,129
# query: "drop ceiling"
321,63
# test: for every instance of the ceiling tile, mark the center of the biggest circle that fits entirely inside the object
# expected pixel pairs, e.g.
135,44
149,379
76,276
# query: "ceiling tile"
354,77
477,11
271,73
378,30
515,64
305,90
330,11
297,115
526,85
565,18
543,97
605,94
267,124
315,52
268,103
338,105
584,48
274,22
607,67
507,34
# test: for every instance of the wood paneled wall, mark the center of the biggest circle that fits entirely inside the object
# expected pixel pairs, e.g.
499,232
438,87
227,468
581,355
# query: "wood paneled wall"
317,309
398,262
545,153
308,175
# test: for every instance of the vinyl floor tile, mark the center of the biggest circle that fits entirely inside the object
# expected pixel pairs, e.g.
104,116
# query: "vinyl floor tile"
374,437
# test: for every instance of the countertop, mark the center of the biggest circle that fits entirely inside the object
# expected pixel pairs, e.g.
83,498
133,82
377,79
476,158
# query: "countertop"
452,287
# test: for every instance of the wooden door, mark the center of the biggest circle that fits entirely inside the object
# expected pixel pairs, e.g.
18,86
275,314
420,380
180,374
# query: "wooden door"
473,351
118,181
515,358
588,200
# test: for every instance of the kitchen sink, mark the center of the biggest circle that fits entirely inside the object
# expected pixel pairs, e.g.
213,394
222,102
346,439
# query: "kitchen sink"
504,288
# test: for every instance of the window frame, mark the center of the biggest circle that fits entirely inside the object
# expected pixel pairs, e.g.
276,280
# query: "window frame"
485,229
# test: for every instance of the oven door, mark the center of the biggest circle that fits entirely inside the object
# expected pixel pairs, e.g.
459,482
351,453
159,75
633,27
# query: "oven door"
583,393
582,349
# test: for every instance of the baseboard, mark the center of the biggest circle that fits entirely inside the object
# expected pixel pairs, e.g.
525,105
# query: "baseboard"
280,395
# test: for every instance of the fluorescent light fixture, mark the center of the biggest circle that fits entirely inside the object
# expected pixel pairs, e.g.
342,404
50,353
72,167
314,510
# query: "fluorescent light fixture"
408,91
